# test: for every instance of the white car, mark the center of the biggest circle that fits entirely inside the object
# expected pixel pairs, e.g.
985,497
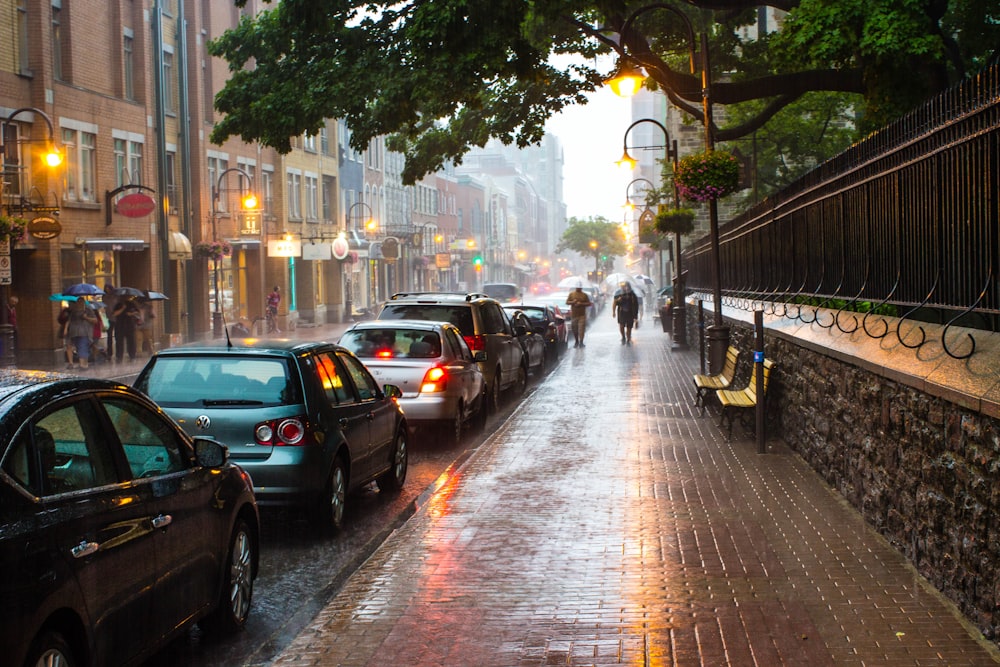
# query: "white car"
432,365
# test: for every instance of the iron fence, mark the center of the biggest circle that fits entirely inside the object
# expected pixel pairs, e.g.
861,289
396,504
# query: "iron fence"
903,223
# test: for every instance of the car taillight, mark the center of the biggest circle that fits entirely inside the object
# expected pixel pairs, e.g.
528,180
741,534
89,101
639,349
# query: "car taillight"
384,354
279,432
436,379
476,343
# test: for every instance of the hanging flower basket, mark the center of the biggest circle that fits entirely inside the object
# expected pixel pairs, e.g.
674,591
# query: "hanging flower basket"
12,228
214,250
675,221
707,176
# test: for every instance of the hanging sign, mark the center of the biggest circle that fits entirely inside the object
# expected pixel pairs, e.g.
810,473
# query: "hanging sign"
340,248
283,248
316,251
136,205
44,228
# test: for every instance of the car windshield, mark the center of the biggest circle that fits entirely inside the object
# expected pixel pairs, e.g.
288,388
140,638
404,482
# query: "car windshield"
220,380
533,314
392,343
460,316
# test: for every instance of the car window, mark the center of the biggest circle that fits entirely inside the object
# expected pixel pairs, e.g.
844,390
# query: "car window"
151,447
188,380
494,320
335,385
391,342
363,381
64,450
458,345
501,291
459,315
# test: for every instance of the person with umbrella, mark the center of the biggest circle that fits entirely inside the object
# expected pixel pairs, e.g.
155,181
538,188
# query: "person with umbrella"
127,317
80,331
578,303
625,307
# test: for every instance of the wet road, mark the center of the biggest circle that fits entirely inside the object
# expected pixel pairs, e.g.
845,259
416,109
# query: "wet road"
302,568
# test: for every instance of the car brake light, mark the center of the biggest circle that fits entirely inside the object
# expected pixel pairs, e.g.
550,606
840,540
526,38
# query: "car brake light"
476,343
279,432
436,379
384,354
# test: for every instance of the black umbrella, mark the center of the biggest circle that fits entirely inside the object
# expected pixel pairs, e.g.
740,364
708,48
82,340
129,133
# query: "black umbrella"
155,296
129,291
83,289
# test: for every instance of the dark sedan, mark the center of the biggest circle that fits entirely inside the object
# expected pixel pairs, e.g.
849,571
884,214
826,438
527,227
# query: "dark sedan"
117,530
533,343
306,419
549,322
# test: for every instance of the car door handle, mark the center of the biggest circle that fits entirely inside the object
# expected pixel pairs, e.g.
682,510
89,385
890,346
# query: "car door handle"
370,416
162,521
84,548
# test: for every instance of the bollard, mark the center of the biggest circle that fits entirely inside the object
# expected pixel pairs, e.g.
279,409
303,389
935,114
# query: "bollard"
665,319
758,378
718,345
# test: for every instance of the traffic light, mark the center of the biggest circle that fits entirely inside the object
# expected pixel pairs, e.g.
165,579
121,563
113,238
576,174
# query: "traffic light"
477,262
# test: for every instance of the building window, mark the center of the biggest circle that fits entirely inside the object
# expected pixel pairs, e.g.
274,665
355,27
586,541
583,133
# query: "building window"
294,195
312,195
324,141
22,38
128,65
169,89
309,142
216,167
170,180
57,40
329,188
81,165
128,162
267,190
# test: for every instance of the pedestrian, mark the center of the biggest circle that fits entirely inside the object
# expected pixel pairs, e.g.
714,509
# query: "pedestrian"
273,300
80,330
144,327
110,300
12,320
127,317
579,304
98,343
625,307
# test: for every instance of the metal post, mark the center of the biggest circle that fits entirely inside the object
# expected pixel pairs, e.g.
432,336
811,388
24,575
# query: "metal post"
701,334
758,367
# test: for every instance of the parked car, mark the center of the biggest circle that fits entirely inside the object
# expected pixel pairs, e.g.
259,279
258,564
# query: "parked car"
306,419
485,327
503,292
118,531
548,321
532,342
432,365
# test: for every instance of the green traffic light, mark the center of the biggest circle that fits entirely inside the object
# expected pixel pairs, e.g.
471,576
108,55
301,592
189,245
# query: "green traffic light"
478,261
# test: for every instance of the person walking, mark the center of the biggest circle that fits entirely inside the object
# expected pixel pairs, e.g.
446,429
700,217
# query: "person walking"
126,317
273,300
579,304
144,327
12,320
625,308
80,330
110,300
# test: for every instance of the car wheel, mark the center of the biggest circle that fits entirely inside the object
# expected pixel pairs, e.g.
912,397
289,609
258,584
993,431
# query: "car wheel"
452,428
50,649
331,509
237,588
482,412
543,362
521,384
495,394
392,480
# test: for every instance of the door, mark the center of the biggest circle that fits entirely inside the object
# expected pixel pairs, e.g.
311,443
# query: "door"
345,413
382,412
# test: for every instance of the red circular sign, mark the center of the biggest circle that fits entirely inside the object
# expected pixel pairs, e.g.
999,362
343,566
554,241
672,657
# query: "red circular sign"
136,205
340,248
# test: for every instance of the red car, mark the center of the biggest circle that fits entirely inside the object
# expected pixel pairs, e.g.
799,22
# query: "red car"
547,320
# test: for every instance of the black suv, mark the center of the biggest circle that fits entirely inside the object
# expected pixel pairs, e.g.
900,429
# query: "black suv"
484,325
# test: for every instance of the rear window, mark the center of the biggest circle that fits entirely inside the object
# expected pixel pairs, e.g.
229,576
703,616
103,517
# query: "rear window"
391,343
460,316
181,380
502,291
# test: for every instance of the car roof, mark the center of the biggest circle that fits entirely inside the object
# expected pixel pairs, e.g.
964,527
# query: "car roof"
13,381
438,297
261,346
422,325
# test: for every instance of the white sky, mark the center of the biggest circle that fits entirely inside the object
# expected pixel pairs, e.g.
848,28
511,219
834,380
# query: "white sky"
591,136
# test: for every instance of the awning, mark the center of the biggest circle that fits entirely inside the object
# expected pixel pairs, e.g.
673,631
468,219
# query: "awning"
178,246
244,243
112,244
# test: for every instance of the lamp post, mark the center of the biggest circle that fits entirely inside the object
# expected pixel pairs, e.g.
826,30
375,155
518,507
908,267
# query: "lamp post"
17,200
718,333
348,293
249,202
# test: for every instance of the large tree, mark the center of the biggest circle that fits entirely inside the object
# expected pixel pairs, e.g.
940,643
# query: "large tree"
439,76
595,237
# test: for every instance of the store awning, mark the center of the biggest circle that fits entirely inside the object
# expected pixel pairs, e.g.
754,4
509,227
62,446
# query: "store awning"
123,245
244,244
179,246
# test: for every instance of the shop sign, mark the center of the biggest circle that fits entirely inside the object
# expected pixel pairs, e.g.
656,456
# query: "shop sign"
340,248
316,251
283,248
44,228
136,205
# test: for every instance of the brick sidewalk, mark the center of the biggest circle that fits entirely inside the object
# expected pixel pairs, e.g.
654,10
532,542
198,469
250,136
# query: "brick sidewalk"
607,524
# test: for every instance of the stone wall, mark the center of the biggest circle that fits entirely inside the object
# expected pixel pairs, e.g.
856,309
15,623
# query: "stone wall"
911,438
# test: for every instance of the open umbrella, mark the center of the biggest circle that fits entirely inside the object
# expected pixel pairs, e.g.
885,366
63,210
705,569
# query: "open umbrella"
129,291
83,289
616,279
63,297
573,281
156,296
644,278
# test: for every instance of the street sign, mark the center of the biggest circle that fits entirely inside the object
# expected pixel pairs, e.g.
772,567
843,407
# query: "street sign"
5,274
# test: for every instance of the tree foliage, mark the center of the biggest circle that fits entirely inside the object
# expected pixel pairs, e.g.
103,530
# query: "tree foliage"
606,236
439,76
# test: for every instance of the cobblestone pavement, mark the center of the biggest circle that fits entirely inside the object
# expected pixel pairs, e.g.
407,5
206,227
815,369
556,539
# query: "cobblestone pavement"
606,523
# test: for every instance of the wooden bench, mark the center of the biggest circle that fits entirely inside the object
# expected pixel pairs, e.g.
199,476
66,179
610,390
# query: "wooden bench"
742,400
705,384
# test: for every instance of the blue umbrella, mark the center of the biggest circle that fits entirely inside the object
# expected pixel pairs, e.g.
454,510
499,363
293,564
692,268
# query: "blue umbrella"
83,289
63,297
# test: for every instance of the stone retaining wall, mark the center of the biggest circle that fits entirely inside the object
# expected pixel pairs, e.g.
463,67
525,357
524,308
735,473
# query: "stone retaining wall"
911,438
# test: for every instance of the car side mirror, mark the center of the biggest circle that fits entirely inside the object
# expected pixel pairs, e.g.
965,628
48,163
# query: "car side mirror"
392,391
480,355
210,453
520,330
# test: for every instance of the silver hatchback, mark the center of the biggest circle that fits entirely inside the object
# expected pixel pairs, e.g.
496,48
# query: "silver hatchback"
440,379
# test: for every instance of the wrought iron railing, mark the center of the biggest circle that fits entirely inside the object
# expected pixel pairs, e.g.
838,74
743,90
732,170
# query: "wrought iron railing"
904,223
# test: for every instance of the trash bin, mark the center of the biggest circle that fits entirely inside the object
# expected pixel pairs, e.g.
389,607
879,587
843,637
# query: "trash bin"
666,320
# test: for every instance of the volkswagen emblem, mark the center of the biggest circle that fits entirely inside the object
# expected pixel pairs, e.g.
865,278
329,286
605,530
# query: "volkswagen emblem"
203,422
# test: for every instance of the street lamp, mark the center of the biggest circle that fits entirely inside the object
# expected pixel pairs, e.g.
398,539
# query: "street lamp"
249,202
718,333
17,200
348,290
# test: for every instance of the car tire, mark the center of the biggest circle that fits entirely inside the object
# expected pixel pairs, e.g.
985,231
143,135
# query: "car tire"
233,607
392,480
452,429
330,512
521,383
50,648
481,414
494,395
544,362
